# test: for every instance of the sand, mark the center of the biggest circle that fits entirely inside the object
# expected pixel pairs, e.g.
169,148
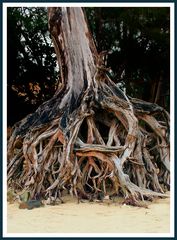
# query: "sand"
90,217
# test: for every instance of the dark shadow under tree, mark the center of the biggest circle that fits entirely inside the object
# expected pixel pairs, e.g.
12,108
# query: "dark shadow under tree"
90,137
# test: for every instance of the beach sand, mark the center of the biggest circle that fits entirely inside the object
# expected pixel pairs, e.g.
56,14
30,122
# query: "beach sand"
90,217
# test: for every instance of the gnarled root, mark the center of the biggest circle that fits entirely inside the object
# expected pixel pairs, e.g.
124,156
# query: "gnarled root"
110,145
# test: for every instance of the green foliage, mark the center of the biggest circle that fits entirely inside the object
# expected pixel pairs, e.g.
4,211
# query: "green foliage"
138,37
140,41
32,63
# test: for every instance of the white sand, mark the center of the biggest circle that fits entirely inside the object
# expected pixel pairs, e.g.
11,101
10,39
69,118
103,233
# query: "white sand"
90,218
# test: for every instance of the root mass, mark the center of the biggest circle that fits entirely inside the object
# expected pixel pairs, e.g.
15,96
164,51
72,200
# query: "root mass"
90,138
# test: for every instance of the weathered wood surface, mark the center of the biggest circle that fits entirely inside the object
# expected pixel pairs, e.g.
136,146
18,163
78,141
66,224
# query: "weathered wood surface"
90,137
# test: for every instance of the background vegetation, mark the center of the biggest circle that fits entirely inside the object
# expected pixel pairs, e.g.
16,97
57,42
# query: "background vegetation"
139,40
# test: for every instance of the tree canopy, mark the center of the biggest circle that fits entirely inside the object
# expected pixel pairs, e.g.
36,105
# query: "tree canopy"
31,63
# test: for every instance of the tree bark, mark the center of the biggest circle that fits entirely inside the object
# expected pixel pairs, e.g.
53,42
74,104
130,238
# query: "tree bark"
90,138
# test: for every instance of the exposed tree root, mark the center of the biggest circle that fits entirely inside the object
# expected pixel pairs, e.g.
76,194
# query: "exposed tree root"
87,159
103,142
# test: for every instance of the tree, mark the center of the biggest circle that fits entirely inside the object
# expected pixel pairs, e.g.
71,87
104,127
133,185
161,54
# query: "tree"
32,71
90,137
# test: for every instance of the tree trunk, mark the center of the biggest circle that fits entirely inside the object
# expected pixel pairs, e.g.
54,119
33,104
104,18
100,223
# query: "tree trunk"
90,138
